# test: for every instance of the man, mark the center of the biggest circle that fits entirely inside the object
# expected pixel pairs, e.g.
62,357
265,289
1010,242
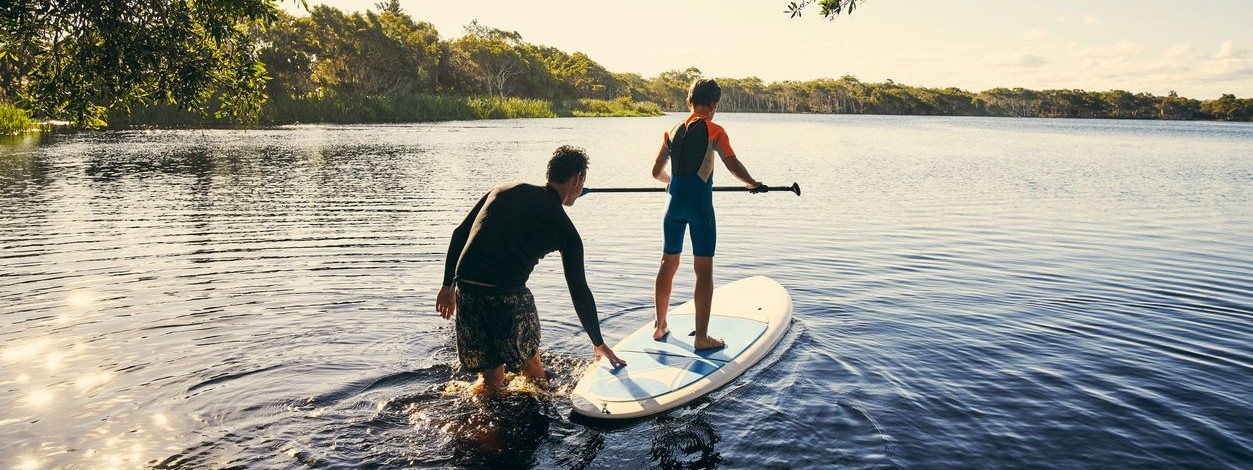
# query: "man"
490,258
690,147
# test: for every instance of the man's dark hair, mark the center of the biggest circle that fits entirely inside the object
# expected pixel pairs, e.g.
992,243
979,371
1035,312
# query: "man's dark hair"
567,161
704,92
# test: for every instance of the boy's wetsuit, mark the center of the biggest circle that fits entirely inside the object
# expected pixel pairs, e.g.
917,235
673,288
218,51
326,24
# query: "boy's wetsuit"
502,239
690,146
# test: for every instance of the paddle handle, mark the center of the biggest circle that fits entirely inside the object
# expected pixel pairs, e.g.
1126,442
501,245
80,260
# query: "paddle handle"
794,188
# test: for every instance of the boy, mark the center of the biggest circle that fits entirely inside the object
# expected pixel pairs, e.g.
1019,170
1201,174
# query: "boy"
690,147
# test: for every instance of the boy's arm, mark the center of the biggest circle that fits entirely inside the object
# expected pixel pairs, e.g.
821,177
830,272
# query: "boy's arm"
736,168
659,165
723,145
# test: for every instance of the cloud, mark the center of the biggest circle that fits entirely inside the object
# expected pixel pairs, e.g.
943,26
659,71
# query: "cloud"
1029,59
1130,66
1231,62
967,47
1023,59
1229,50
1108,61
1176,51
1036,34
1088,19
1124,50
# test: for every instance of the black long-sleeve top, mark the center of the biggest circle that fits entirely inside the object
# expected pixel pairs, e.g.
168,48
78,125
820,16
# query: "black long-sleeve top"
505,235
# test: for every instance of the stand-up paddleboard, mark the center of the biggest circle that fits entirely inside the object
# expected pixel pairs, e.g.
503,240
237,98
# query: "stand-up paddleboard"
751,315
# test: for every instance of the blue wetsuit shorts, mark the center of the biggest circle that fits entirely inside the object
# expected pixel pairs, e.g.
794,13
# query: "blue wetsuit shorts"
691,206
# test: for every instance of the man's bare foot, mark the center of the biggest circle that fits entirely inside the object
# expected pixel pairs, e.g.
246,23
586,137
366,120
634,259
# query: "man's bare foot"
480,388
705,343
541,384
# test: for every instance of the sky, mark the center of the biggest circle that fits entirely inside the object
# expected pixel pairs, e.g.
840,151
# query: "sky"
1200,49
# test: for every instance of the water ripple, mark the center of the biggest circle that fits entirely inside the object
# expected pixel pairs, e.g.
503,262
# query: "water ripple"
968,293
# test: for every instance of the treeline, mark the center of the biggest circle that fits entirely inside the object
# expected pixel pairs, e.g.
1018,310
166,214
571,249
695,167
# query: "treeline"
333,66
848,95
382,65
379,66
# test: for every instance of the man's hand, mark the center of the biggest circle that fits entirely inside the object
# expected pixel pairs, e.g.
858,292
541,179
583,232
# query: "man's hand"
614,360
446,302
756,187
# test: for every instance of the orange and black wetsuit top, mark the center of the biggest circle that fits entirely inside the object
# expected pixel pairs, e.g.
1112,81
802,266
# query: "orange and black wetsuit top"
690,146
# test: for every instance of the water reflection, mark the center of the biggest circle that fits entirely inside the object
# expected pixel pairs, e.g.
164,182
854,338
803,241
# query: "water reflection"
39,398
502,431
19,162
54,386
90,380
685,441
27,463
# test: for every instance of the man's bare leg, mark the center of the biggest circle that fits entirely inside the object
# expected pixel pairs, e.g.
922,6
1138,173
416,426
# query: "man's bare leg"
492,381
661,292
704,266
534,371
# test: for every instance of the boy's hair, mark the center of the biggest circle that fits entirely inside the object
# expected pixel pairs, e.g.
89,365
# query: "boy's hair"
567,161
704,92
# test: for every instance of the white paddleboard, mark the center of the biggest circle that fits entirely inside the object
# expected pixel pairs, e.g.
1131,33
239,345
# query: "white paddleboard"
751,315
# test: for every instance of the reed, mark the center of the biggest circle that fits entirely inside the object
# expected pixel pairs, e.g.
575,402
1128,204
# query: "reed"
611,108
365,109
14,120
344,109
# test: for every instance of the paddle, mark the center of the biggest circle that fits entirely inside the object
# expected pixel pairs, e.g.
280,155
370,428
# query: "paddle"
794,188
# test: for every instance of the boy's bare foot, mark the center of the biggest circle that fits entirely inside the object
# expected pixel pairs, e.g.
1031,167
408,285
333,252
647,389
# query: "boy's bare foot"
660,332
705,343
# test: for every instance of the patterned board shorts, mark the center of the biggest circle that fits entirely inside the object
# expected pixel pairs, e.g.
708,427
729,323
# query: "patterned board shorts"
496,329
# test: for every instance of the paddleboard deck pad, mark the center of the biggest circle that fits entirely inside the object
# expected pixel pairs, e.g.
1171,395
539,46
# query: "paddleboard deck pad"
751,315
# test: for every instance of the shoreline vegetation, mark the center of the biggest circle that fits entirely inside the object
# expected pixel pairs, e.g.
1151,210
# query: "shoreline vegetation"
386,67
391,109
14,120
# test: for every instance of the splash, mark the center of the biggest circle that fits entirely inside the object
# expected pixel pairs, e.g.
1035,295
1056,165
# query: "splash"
516,385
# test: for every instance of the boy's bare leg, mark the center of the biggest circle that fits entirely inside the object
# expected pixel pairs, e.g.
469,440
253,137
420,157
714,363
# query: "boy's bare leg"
661,292
704,266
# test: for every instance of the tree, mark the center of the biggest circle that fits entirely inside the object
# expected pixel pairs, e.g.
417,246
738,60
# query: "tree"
289,54
75,60
578,76
494,55
669,89
1018,102
831,9
1174,106
631,85
1229,108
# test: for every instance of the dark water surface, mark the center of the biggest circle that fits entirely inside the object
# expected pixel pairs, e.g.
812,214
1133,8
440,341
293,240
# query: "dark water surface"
970,293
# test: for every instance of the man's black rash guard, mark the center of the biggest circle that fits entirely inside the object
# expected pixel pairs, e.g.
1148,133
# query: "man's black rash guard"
505,235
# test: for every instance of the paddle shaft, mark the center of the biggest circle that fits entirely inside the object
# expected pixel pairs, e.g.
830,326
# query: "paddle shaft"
794,188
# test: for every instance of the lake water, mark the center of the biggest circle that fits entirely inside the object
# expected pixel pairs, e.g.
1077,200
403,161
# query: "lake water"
969,293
